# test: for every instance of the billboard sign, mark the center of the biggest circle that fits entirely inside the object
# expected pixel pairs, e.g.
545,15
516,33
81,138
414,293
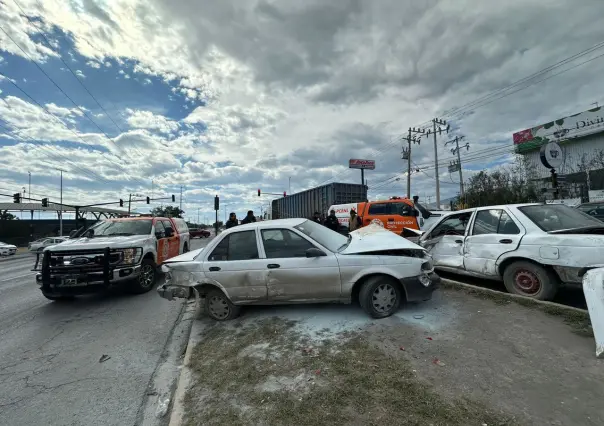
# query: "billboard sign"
355,163
575,126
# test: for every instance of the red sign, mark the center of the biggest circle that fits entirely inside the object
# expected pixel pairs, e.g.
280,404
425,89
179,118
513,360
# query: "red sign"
355,163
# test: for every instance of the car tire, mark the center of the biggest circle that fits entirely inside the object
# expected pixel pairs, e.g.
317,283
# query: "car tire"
219,307
56,298
185,249
145,280
380,296
530,280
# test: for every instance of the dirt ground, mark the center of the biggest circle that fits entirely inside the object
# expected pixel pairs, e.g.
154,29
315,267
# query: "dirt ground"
459,359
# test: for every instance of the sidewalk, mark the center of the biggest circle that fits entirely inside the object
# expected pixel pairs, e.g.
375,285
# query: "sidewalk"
459,359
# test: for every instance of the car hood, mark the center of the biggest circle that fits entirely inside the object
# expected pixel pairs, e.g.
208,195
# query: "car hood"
102,242
7,246
375,238
185,257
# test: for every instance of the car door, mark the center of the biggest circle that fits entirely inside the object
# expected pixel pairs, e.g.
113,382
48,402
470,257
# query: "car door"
235,264
294,277
163,243
445,241
494,232
173,240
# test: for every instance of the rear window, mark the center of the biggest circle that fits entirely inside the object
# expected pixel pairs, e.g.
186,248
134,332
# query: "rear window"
556,217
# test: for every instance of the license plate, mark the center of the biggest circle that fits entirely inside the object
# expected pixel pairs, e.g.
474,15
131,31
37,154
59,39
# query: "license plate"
70,282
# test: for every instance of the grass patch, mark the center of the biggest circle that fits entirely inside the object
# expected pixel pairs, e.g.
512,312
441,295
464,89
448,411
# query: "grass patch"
579,321
341,381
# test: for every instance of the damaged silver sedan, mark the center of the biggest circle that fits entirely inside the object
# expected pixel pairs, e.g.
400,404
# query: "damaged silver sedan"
299,261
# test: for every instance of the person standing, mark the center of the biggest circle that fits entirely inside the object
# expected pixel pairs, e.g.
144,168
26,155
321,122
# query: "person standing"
317,218
232,221
250,218
355,221
332,221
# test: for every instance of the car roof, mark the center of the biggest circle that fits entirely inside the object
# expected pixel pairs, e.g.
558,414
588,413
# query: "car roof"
128,219
499,206
265,224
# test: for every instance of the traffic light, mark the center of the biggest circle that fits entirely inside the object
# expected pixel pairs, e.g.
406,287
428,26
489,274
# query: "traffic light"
284,194
148,200
121,203
44,202
259,192
216,203
17,198
173,198
554,178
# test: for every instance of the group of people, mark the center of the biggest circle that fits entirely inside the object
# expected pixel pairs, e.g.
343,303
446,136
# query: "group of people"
331,221
233,221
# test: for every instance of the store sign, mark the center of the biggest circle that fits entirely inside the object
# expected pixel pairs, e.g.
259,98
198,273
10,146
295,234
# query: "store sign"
596,195
552,155
354,163
582,124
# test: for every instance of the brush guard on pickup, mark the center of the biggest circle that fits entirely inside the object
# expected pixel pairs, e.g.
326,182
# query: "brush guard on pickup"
98,266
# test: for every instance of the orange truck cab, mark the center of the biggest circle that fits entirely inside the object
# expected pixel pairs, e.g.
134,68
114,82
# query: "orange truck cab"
393,214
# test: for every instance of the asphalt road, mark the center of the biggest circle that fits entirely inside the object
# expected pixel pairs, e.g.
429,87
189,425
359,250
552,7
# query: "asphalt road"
50,352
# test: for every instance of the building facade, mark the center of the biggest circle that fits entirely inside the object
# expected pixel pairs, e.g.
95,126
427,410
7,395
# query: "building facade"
581,138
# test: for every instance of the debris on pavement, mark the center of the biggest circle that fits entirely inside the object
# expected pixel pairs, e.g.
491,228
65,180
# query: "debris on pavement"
418,316
429,338
104,358
438,362
402,348
162,408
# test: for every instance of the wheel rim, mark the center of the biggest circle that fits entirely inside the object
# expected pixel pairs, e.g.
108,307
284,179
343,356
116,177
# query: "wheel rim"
146,276
527,282
218,307
383,298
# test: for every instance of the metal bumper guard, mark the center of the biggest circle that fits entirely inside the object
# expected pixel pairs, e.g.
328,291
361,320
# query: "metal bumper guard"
97,272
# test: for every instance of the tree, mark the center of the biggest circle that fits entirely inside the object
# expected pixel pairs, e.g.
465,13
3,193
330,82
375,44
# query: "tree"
167,211
5,215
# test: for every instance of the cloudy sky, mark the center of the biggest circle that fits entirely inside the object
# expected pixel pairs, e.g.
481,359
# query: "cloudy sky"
225,96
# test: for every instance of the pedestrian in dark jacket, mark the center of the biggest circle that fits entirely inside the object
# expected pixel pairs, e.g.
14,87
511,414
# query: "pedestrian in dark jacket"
232,221
332,221
250,218
317,218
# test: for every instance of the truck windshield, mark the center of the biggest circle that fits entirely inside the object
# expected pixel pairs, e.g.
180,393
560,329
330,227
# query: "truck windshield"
329,239
556,217
130,227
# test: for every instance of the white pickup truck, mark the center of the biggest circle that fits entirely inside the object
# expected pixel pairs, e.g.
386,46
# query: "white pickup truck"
112,252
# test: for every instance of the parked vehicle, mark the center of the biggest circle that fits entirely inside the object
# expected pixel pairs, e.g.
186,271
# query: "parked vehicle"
594,209
393,215
306,203
112,252
301,261
199,233
533,248
7,249
42,243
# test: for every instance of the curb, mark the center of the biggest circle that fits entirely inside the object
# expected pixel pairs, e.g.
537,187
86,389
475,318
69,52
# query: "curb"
184,378
523,300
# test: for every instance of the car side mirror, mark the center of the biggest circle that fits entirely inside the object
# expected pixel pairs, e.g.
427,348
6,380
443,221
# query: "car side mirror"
315,252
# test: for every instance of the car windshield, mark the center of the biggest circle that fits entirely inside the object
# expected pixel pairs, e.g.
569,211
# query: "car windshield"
329,239
556,217
130,227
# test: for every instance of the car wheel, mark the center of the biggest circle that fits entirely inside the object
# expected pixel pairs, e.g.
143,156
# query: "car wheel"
56,298
530,280
185,249
146,279
380,296
219,307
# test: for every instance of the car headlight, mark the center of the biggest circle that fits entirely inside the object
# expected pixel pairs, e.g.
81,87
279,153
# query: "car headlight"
132,256
425,280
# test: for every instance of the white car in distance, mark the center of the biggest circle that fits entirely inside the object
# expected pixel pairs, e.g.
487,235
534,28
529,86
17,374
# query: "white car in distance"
291,261
7,249
42,243
532,248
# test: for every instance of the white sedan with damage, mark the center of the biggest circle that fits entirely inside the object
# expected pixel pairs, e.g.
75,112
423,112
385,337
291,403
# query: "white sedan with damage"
299,261
533,248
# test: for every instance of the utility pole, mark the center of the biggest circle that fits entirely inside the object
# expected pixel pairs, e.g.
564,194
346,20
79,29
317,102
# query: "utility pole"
290,185
129,203
407,154
181,197
440,122
61,207
29,189
457,166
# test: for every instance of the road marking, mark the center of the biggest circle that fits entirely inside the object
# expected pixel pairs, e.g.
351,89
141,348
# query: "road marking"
20,276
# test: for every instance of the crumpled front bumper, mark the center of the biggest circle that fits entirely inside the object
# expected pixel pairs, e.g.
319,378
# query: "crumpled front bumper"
416,291
170,292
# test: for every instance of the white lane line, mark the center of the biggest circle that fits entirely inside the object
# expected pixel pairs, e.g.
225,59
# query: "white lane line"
20,276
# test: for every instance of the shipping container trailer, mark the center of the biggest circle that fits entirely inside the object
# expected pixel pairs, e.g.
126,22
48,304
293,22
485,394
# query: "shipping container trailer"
319,199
